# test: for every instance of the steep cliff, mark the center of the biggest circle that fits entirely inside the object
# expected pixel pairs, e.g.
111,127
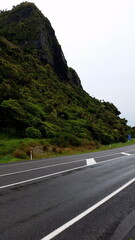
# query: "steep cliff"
27,27
40,96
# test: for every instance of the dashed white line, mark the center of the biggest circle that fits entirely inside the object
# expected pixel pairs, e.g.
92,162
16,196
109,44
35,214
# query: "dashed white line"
90,161
52,159
52,174
56,173
126,154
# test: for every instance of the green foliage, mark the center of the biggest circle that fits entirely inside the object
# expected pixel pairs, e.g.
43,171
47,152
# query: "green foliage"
13,106
35,101
50,130
32,132
64,140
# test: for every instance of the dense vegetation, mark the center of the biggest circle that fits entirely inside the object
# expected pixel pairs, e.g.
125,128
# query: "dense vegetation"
40,97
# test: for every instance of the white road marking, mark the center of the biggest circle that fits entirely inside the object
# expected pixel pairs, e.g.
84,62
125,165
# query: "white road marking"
8,174
127,154
52,159
90,161
34,169
41,177
83,214
53,174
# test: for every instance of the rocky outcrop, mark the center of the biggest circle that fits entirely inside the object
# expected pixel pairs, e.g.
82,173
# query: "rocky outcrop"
73,77
36,34
40,96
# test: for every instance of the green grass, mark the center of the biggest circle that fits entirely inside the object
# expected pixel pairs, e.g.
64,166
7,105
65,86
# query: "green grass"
13,150
118,145
8,146
57,107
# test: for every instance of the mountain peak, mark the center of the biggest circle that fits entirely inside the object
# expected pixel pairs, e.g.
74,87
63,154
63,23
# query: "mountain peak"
40,95
27,27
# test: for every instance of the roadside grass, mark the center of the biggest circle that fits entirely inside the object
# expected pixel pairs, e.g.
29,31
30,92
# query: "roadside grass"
9,147
118,145
13,150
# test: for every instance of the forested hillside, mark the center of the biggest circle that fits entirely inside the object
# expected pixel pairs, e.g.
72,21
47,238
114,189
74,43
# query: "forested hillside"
40,96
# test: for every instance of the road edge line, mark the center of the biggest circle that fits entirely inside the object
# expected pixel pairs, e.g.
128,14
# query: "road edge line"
86,212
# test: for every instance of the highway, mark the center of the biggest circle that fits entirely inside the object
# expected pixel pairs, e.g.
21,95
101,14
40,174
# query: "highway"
66,199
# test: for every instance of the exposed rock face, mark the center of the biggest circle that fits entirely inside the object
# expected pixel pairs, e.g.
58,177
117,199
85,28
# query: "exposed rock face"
73,77
50,51
40,95
27,17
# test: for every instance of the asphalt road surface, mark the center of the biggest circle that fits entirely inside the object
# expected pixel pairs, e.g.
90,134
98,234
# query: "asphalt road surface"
65,199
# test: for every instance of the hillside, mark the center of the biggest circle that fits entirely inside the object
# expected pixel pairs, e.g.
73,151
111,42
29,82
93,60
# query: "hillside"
40,96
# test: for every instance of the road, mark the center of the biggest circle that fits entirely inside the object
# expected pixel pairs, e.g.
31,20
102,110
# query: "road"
64,199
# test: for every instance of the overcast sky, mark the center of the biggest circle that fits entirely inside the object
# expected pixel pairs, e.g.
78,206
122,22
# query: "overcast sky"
98,41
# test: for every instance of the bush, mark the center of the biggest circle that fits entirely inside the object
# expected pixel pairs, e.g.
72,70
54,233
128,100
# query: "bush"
32,132
66,140
54,148
45,147
60,150
60,141
20,154
26,149
74,141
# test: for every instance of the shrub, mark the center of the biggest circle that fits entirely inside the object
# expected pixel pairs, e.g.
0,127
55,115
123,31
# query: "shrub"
54,148
45,147
49,130
20,154
26,149
32,132
74,141
60,150
60,141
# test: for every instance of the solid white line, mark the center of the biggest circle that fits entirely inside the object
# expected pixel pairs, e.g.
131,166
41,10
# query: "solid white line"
127,154
38,161
83,214
34,169
52,159
59,164
97,163
41,177
64,157
49,175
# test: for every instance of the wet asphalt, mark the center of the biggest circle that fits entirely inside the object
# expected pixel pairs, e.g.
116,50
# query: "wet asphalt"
31,210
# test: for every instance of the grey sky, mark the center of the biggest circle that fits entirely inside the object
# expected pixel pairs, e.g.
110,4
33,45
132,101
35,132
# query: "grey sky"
98,41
